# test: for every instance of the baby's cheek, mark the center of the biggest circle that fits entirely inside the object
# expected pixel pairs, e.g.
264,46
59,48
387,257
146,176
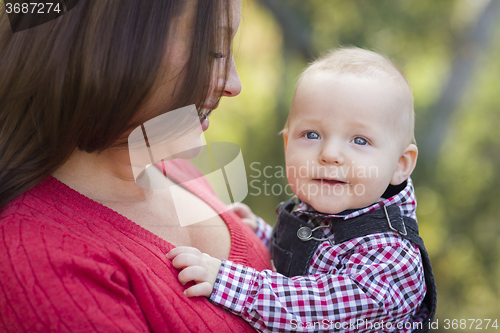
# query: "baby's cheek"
373,189
295,185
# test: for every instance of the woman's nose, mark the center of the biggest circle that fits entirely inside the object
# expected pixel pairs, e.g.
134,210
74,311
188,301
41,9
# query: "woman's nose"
331,153
233,83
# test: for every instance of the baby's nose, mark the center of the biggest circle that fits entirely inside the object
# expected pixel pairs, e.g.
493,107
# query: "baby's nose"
331,154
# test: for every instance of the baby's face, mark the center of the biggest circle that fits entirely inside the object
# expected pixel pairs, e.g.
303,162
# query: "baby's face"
343,145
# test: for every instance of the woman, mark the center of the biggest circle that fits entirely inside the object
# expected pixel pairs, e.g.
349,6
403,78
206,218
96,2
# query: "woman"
82,246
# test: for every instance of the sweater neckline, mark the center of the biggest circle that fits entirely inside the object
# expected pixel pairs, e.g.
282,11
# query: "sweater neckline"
238,249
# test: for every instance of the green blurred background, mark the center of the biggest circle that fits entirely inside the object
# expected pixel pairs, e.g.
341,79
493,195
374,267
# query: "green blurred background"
449,50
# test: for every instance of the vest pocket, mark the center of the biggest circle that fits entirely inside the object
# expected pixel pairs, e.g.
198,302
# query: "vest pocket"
281,258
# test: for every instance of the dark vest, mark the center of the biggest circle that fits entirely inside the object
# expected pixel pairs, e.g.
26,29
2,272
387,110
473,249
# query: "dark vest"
292,256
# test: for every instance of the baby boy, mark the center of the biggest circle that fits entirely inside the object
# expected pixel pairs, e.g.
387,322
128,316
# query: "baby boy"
347,251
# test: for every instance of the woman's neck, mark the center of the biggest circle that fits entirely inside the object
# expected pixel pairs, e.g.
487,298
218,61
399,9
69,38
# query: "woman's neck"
103,177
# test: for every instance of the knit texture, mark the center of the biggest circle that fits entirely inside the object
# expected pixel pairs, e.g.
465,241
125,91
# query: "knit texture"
70,264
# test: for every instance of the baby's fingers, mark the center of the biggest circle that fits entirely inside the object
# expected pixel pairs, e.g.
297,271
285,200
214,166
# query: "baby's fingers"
201,289
186,259
182,249
252,223
242,210
193,273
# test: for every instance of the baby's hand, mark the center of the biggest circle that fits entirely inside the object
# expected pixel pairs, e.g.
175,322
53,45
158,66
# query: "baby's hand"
195,266
246,215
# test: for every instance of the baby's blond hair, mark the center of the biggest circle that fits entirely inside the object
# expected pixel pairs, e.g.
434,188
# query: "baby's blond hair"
364,64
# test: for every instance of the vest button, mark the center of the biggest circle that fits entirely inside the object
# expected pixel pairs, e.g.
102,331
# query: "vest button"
304,233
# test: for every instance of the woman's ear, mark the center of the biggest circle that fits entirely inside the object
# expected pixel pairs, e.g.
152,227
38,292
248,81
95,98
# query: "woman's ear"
406,164
285,137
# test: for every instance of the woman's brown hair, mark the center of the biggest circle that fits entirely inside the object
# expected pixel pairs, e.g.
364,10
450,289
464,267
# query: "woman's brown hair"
78,81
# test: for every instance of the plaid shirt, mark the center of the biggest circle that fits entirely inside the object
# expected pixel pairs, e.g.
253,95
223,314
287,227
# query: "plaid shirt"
368,284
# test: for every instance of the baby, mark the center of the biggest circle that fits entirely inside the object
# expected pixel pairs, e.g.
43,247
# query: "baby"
347,251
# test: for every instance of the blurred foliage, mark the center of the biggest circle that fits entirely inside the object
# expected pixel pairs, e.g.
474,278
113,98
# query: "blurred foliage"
458,193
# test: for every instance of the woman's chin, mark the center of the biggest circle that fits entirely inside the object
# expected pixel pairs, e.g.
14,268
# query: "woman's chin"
204,124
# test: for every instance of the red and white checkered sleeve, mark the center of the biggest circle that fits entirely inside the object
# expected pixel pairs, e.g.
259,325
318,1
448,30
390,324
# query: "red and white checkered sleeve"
378,284
264,231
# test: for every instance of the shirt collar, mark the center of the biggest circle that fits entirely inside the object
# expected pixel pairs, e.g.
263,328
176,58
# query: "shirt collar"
405,200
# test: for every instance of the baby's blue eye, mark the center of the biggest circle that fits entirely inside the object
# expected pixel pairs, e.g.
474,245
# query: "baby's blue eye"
312,135
360,141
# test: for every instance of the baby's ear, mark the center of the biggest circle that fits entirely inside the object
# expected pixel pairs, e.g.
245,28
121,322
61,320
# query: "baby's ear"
285,137
406,164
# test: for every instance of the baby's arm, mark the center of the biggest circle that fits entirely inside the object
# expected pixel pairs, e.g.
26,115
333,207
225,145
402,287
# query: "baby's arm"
246,215
257,224
371,281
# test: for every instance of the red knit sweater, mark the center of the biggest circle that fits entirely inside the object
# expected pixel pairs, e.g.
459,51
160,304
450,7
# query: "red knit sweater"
70,264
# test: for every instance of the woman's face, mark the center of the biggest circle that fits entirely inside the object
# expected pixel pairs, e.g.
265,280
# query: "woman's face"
167,89
174,64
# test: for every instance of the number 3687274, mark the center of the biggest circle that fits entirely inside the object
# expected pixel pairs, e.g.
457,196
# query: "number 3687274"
470,324
33,8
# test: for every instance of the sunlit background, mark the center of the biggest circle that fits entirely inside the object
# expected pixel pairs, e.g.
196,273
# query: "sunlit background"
449,50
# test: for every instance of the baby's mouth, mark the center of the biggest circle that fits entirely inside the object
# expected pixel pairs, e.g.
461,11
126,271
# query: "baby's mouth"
331,181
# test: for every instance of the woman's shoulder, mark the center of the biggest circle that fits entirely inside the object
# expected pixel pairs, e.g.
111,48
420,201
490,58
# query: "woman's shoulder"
50,266
44,204
34,222
30,209
45,219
